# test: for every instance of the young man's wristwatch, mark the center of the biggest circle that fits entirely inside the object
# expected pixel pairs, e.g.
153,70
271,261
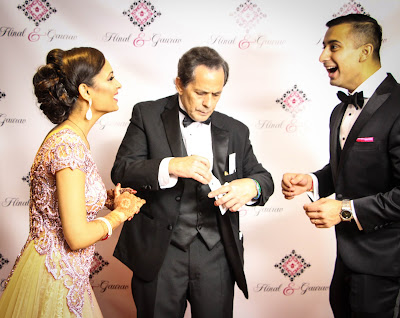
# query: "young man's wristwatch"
346,214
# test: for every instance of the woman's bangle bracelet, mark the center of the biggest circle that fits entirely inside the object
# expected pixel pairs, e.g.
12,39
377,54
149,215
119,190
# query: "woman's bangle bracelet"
109,227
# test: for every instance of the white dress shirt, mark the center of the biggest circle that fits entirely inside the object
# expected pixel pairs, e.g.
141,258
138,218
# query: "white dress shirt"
197,140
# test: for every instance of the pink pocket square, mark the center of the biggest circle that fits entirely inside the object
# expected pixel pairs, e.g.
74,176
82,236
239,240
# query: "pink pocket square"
365,139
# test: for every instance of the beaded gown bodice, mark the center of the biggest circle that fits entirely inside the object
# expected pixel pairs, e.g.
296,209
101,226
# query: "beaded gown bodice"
63,149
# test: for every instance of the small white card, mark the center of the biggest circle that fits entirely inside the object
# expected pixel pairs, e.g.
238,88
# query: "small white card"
214,185
232,163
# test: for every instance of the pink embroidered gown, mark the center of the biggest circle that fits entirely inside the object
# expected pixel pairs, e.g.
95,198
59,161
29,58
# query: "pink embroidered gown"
48,278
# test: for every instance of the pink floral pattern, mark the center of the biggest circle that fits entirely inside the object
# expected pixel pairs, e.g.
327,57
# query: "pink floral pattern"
62,150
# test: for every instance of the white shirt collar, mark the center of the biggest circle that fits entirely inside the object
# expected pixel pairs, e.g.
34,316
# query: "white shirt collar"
369,86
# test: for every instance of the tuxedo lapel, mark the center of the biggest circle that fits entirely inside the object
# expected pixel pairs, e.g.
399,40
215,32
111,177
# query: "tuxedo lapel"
377,99
334,138
170,118
220,145
220,142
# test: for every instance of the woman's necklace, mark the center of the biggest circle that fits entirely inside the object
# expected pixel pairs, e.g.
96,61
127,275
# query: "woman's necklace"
80,130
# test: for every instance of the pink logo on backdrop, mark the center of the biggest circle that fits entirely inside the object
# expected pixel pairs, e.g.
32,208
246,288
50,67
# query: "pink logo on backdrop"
293,100
98,264
141,13
350,7
37,10
248,15
292,265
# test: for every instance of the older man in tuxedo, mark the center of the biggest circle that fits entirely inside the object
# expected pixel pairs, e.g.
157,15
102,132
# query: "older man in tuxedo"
363,172
195,168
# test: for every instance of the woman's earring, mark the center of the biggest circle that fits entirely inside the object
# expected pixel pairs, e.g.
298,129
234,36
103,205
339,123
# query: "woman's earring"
89,112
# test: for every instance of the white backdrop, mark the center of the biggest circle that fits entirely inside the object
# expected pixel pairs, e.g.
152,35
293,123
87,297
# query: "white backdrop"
277,87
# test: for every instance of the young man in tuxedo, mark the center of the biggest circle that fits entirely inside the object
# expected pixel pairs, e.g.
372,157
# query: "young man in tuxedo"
363,172
191,164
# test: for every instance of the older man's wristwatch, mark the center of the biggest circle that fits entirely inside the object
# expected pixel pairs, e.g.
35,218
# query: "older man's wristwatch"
346,214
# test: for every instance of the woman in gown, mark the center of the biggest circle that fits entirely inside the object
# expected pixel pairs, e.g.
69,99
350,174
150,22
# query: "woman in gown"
50,277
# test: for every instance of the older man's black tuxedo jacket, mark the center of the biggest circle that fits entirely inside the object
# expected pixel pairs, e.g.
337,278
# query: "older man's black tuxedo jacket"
154,134
367,171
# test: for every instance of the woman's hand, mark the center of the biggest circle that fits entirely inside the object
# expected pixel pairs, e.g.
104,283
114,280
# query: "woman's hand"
128,204
112,194
123,202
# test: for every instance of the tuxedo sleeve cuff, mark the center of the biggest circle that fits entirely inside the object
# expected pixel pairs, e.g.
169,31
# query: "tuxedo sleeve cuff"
166,180
353,210
314,194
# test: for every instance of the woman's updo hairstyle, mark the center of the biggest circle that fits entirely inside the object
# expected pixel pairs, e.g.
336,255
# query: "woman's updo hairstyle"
56,83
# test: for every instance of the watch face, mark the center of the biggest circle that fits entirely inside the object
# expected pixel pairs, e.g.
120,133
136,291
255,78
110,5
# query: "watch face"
346,214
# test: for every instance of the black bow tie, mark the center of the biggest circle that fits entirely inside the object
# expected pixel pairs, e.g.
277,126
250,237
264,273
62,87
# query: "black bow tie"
188,120
357,99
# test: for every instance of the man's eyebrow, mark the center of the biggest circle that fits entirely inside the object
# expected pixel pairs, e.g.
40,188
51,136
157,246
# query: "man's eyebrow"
330,42
206,92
